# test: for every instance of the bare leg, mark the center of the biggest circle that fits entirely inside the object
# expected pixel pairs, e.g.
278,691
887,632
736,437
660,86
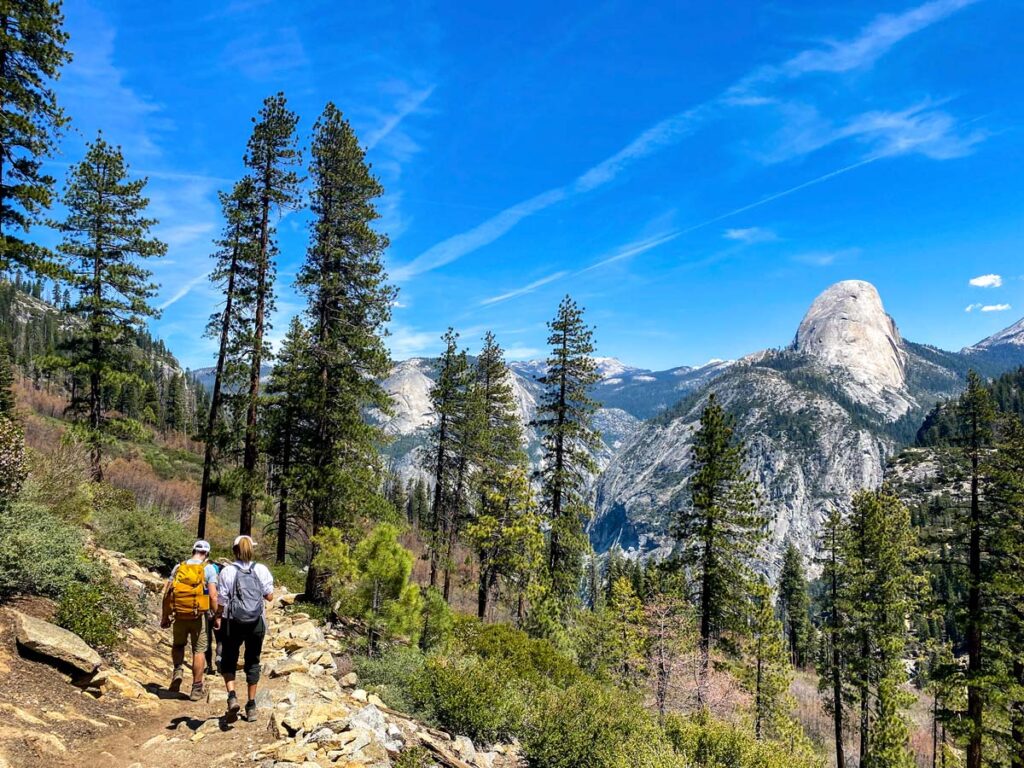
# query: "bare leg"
198,666
252,691
178,656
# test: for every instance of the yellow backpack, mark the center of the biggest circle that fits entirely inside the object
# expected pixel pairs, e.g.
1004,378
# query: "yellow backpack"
188,591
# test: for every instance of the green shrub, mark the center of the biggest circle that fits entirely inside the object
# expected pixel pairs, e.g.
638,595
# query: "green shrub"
290,575
98,611
146,535
398,677
596,726
438,620
315,611
534,659
40,553
704,742
415,757
482,699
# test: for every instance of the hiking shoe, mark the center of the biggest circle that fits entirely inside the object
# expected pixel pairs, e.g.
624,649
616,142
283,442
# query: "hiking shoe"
250,711
233,706
197,693
176,678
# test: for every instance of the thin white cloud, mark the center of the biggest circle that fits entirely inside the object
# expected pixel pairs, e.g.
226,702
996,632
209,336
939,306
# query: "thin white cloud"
986,281
874,40
405,342
530,288
483,234
972,307
267,56
409,105
750,235
995,307
826,258
919,129
94,89
630,250
183,291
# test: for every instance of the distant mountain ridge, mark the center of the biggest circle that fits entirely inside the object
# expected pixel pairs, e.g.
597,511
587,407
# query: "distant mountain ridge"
820,418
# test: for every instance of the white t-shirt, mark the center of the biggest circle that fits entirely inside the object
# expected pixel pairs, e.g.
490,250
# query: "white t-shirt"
226,582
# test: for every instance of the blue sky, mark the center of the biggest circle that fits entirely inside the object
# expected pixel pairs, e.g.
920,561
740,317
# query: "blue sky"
694,174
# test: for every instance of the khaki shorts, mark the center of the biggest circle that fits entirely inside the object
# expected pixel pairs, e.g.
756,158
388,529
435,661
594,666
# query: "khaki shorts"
185,631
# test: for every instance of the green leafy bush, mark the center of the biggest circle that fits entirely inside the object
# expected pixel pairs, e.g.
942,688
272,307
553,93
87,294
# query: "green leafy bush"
40,552
596,726
290,575
98,611
415,757
146,535
534,659
437,619
483,699
399,677
315,611
707,743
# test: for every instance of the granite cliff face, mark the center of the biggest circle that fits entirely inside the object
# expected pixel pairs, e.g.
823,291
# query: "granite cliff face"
820,419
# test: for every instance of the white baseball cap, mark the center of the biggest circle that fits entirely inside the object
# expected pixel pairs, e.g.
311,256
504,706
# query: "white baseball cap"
244,536
201,546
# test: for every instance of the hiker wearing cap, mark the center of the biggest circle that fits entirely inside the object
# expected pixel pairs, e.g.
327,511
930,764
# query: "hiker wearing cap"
190,597
245,587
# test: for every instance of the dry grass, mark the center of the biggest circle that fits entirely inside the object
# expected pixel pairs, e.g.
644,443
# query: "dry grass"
811,714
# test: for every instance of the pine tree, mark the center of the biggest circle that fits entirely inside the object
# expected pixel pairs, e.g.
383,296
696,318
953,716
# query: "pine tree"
628,633
565,421
271,157
176,417
832,664
288,424
882,591
976,415
32,53
233,269
1004,469
505,524
372,582
106,235
794,605
507,536
718,532
8,403
350,302
768,676
441,460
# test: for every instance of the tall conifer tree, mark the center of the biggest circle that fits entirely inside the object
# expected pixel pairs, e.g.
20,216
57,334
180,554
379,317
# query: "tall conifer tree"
794,605
233,269
106,236
272,157
565,420
717,533
349,308
32,53
288,438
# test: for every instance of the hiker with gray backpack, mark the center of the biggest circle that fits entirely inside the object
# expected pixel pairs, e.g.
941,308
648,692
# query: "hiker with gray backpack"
244,587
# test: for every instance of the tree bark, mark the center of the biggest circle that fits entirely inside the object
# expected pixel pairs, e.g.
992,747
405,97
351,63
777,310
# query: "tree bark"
250,453
215,397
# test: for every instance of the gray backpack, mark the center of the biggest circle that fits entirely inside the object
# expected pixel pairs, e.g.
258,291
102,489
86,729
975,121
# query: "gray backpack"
246,604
